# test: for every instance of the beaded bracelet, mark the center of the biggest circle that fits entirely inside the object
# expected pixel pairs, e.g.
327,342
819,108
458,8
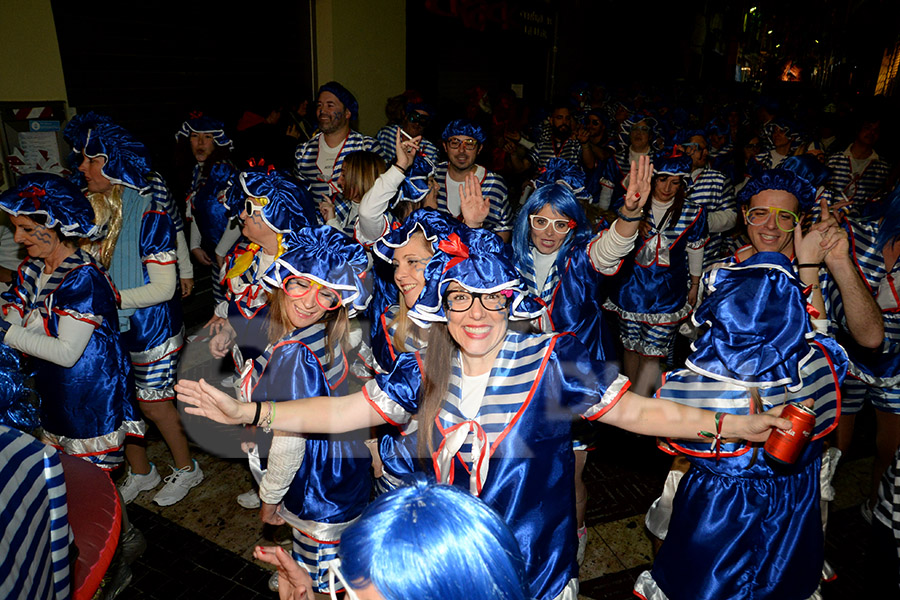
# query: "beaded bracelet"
269,417
629,219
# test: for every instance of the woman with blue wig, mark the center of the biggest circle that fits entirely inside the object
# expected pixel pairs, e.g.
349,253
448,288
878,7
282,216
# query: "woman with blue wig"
425,541
318,484
494,406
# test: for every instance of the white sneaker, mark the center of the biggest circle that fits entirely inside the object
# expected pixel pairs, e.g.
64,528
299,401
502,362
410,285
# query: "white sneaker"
249,499
178,484
582,544
134,483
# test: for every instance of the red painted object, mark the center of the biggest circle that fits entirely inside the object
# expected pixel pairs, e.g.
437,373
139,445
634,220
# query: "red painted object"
785,445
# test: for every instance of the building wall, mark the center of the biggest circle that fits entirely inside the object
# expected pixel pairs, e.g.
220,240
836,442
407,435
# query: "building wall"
362,44
30,66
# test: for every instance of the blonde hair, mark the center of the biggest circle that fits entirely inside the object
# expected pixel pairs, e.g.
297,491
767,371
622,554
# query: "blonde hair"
360,170
107,212
337,324
402,322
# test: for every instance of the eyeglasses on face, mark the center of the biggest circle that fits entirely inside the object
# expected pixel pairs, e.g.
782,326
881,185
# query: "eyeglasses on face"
468,143
461,301
418,117
539,223
785,220
298,287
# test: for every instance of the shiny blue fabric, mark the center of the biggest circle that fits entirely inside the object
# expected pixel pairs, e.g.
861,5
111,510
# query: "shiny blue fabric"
757,323
75,134
742,532
208,208
672,162
59,200
127,160
247,306
464,128
479,261
96,395
779,179
564,172
16,410
532,467
808,167
435,225
204,124
290,206
328,256
414,186
333,483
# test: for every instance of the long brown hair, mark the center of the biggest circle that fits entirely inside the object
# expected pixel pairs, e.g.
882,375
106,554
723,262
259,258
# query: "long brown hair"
674,211
402,322
337,324
360,170
438,364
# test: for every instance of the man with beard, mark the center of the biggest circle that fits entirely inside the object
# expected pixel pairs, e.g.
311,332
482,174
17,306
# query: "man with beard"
318,162
557,141
463,141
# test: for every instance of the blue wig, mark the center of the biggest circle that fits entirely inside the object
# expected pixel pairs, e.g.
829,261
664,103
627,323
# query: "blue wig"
464,128
780,179
433,542
563,201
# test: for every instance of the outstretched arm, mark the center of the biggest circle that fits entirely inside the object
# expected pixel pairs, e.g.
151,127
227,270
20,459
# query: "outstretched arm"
322,414
652,416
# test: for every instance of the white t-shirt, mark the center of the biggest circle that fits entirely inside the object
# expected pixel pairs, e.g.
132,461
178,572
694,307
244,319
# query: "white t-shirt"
542,265
327,156
473,390
454,203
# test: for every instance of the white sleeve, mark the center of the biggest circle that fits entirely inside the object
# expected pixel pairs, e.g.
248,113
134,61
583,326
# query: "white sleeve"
608,249
160,289
374,204
285,458
65,349
195,235
721,220
695,261
183,255
231,235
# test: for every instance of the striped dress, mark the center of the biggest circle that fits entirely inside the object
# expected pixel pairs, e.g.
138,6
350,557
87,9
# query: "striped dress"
548,148
493,187
516,452
331,484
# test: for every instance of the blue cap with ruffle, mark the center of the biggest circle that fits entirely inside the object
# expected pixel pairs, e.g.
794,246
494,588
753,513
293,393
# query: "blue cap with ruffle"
329,257
465,128
433,224
808,167
566,173
672,162
479,261
200,123
656,140
75,134
342,94
780,179
758,327
127,160
288,205
414,186
57,199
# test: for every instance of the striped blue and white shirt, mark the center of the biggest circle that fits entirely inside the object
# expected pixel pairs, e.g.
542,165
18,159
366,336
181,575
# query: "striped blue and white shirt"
713,191
492,187
307,170
857,187
387,145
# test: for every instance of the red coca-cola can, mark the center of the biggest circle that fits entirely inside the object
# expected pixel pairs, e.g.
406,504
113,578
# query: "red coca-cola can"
785,445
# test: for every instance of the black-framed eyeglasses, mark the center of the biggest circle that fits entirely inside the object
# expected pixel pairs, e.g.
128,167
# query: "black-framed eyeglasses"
461,301
468,143
296,286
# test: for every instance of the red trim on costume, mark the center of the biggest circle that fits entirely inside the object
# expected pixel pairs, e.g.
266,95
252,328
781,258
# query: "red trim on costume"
837,391
614,401
63,313
377,409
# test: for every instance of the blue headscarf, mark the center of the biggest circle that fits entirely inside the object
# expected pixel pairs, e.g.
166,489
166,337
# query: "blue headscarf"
289,206
328,257
344,95
57,199
462,127
759,329
414,186
808,167
672,162
656,138
127,160
479,261
199,123
434,225
780,179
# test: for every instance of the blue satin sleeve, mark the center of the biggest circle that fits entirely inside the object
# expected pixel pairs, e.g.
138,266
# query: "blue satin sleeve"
579,382
157,234
88,292
382,345
292,372
402,385
211,215
698,234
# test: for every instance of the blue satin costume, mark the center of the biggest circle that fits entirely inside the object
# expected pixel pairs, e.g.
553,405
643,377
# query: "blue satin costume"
156,332
332,486
247,305
516,454
655,277
208,207
88,409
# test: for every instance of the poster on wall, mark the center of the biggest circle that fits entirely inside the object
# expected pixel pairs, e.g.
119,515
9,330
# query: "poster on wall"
31,139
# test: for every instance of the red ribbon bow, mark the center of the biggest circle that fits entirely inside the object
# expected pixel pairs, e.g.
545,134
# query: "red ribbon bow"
33,193
196,114
454,246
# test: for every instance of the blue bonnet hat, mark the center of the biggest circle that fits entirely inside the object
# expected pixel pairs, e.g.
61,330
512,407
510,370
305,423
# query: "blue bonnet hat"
199,123
344,95
465,128
414,186
565,173
288,206
625,130
758,327
58,199
75,134
127,160
329,257
780,179
480,262
672,162
684,135
435,225
808,167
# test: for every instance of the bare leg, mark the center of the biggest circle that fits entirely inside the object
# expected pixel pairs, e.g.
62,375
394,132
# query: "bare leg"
165,416
647,379
580,488
843,434
136,455
631,364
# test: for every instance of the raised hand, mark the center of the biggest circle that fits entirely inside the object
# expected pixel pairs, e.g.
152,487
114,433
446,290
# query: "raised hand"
638,192
406,149
326,209
473,205
210,402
